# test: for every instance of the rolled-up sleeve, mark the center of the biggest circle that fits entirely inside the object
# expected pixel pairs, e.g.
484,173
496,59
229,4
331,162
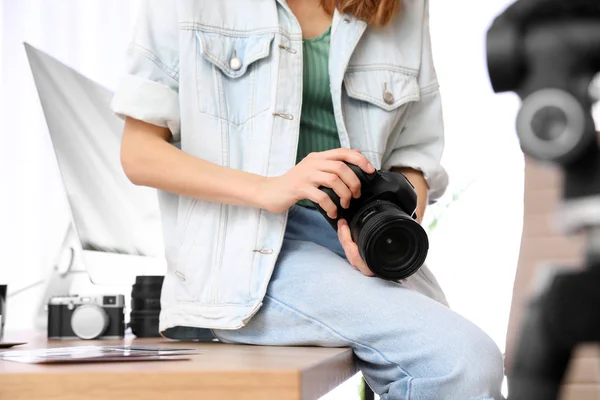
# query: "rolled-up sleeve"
420,144
149,89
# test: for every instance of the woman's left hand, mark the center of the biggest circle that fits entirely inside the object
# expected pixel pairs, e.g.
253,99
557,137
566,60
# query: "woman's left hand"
351,249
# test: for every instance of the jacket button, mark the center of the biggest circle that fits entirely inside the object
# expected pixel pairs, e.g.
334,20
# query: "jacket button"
235,63
388,97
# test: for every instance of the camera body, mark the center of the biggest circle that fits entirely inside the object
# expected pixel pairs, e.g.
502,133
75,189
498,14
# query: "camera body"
88,317
378,186
383,223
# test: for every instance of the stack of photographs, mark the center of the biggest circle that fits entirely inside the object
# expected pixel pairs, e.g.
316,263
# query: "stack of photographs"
90,354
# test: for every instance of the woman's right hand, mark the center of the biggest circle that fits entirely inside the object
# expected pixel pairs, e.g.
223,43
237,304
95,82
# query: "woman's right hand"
324,168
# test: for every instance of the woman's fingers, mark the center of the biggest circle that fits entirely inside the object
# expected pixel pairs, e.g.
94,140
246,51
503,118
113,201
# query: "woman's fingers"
334,182
333,172
322,199
338,173
350,156
345,173
351,249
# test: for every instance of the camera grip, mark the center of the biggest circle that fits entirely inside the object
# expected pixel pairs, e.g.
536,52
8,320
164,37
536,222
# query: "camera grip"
336,200
362,176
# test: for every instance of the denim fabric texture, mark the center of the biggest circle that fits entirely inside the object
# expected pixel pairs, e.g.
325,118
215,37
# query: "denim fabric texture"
409,344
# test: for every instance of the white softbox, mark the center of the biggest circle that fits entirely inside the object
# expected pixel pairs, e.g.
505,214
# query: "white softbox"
110,213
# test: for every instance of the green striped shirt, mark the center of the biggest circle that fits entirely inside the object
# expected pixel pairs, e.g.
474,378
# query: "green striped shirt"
318,130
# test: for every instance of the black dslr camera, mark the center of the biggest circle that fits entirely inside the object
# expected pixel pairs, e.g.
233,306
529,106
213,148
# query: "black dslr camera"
383,224
75,317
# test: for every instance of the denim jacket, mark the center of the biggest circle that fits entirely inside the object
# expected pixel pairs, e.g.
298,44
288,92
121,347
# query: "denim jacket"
226,78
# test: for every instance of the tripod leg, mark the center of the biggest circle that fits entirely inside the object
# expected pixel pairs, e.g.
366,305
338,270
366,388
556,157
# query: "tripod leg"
540,363
562,317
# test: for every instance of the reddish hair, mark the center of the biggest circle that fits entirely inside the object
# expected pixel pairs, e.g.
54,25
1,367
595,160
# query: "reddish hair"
376,13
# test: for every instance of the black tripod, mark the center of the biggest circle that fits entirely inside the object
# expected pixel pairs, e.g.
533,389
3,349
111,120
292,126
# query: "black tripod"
548,52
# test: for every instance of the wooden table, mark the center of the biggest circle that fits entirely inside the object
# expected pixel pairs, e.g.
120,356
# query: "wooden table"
219,371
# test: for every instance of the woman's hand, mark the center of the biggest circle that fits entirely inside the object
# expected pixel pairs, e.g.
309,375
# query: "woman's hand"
351,249
324,168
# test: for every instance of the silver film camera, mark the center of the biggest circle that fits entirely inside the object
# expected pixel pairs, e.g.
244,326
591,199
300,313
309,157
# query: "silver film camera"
86,317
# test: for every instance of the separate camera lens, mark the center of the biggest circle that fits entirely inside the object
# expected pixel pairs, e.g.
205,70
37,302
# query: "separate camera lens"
392,243
145,306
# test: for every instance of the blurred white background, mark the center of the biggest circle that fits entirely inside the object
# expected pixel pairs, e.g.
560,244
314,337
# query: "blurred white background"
91,37
474,247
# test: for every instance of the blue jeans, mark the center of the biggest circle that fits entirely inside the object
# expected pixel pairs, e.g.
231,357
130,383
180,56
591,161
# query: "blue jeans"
409,344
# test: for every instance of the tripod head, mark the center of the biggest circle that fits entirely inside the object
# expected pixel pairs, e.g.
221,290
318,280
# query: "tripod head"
548,53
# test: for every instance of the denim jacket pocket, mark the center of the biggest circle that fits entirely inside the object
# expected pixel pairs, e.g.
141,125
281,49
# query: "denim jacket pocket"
376,101
233,74
385,88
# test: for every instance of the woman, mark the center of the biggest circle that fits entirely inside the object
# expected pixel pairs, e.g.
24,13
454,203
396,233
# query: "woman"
238,111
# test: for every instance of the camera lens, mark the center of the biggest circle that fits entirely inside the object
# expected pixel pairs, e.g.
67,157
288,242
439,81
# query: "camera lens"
145,306
392,243
89,321
395,243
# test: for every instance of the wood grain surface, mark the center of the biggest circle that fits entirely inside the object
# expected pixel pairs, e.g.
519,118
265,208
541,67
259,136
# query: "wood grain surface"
219,371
